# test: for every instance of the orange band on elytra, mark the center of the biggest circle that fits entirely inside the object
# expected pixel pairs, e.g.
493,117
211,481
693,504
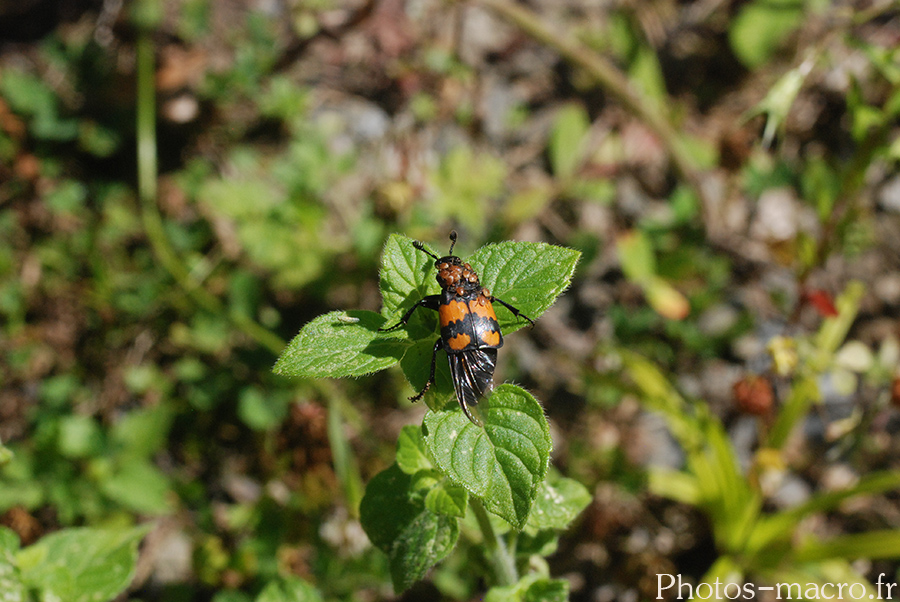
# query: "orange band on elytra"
453,312
460,341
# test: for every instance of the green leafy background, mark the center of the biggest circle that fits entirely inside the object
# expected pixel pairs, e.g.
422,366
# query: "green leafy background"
189,189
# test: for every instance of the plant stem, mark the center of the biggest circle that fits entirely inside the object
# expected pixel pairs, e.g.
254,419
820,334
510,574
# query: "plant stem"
152,220
344,462
610,79
503,562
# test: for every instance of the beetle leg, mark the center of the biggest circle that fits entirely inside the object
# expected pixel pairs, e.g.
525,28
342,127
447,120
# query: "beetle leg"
437,345
431,302
514,311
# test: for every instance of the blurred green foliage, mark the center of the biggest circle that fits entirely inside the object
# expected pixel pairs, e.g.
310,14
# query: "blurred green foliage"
127,401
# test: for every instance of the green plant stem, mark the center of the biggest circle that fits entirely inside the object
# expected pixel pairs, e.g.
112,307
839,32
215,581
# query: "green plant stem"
610,79
344,462
150,216
503,562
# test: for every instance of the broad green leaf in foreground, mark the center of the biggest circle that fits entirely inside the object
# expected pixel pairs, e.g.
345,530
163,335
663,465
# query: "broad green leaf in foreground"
397,521
502,463
527,275
81,564
443,497
340,344
407,275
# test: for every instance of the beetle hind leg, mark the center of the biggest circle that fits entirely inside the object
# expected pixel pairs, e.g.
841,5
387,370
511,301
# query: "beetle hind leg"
431,302
420,394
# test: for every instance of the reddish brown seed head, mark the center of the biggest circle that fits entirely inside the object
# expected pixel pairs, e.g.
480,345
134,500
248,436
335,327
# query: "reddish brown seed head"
753,395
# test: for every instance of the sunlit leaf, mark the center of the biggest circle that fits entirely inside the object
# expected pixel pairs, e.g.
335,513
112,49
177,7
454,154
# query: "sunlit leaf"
330,346
502,463
81,564
397,521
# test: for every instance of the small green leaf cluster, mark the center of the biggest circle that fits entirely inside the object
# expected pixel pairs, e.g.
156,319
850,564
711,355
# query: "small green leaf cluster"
760,28
119,471
412,510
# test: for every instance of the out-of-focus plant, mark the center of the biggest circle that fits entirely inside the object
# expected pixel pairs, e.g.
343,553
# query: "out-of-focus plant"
81,565
754,543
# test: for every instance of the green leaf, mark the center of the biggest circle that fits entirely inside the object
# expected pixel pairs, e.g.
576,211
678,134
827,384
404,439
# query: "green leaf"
636,256
872,545
502,463
646,73
9,543
447,499
527,275
26,93
834,330
145,431
758,30
416,364
79,436
675,485
333,345
289,589
803,394
639,264
407,275
82,564
462,184
567,138
260,411
412,456
780,98
343,458
140,486
531,588
397,521
11,587
557,505
780,525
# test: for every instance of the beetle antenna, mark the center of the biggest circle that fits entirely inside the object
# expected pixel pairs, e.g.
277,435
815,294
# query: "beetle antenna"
452,241
421,247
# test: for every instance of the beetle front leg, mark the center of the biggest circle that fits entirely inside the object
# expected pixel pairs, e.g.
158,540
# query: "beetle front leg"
437,345
431,302
514,311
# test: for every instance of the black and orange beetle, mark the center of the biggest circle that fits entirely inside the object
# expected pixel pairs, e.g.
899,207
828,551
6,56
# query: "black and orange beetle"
470,333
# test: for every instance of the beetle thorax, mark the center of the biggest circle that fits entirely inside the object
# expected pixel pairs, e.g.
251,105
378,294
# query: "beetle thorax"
456,276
